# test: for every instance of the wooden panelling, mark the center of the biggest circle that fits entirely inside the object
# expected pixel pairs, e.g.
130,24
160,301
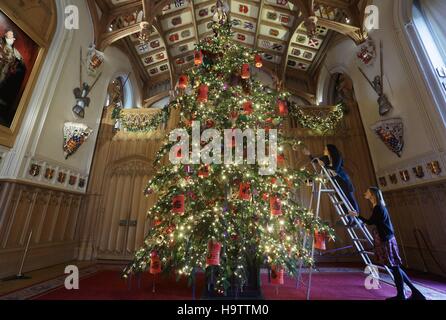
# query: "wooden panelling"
52,217
421,208
115,192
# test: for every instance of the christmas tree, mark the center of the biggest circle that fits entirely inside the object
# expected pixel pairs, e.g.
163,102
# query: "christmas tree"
219,217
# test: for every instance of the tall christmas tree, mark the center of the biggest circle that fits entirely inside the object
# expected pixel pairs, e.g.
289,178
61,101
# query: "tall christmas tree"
227,219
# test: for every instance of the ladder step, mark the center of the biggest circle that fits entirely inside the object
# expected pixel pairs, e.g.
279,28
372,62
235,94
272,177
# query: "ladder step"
360,240
367,252
377,267
328,190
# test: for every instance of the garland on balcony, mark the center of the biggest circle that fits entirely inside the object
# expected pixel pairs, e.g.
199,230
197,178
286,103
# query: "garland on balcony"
320,121
140,122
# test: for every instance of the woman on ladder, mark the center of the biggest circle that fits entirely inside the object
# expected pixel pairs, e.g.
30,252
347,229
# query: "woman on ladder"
386,247
334,163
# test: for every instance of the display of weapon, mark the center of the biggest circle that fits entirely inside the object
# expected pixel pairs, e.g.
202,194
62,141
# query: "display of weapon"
378,85
81,93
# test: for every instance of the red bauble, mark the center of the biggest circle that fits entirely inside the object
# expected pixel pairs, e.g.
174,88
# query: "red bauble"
183,82
203,93
246,74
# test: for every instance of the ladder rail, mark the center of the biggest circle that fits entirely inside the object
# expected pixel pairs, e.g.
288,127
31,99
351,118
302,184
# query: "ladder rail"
340,202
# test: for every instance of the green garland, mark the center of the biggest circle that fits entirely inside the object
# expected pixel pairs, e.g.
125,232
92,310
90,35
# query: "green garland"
320,124
138,124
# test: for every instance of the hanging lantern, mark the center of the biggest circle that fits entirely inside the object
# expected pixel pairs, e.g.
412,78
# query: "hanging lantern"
213,257
178,204
183,82
283,108
319,241
281,159
157,222
204,171
258,61
247,107
155,263
203,93
246,74
198,58
277,275
245,191
275,205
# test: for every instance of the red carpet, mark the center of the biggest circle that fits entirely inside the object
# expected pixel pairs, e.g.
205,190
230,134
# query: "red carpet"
107,285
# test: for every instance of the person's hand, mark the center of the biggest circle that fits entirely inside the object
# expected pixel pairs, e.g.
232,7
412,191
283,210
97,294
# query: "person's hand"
353,214
321,163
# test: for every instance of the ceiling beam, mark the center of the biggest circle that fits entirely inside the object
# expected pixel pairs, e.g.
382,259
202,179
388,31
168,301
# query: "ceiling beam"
114,36
284,63
158,26
354,33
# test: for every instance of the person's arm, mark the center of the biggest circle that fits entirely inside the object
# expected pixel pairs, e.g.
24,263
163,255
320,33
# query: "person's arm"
375,218
336,165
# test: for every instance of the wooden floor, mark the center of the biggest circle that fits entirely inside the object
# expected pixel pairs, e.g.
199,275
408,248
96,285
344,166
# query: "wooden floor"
39,276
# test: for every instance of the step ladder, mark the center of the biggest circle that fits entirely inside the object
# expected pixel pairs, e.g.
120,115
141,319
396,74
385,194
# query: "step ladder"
326,184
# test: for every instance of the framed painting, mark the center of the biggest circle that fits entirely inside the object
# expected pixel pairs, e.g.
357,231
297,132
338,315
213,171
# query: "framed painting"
22,51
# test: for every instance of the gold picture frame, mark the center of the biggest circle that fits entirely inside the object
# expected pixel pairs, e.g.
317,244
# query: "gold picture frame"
23,16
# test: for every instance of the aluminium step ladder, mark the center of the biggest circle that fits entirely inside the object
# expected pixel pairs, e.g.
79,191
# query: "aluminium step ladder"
326,184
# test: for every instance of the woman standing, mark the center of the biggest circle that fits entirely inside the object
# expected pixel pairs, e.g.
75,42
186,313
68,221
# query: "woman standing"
386,247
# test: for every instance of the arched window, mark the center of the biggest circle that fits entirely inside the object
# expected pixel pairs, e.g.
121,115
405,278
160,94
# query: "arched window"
120,93
423,27
428,17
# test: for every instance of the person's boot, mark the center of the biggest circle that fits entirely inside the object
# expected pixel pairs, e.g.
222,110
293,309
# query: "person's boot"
417,296
399,283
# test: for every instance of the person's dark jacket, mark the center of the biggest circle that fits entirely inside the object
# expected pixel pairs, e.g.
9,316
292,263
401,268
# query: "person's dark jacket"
342,178
337,165
381,219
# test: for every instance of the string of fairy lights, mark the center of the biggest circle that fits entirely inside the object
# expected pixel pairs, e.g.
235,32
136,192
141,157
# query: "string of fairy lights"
224,218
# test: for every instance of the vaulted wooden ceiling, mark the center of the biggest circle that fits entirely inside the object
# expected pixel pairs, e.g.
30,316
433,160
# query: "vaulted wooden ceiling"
278,28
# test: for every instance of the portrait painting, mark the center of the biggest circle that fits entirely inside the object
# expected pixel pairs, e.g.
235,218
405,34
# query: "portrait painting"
18,54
